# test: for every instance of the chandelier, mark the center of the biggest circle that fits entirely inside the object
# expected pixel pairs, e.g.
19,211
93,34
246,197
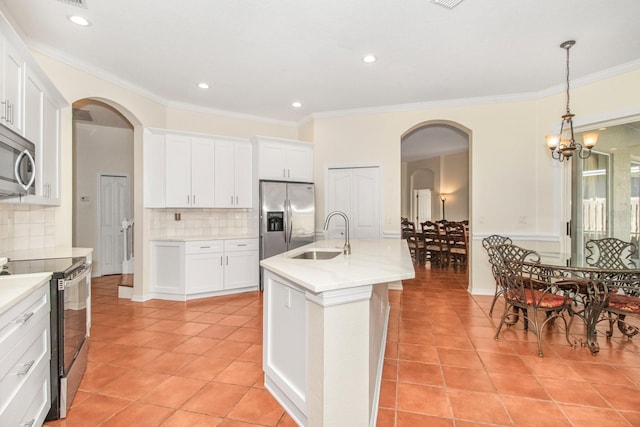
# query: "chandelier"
563,145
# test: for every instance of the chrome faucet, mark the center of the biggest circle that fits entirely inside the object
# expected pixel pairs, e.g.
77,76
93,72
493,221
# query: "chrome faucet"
347,245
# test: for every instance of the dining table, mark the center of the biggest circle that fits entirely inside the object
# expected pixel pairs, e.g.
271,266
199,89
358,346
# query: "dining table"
590,288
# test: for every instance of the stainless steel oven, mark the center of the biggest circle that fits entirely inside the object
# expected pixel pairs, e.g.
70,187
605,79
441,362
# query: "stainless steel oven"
17,164
69,288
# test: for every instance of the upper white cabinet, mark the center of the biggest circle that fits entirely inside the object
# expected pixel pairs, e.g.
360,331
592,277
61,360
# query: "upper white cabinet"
153,168
196,171
12,87
233,173
30,106
286,160
189,171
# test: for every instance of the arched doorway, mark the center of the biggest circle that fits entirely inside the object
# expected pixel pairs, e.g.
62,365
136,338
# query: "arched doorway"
103,183
435,158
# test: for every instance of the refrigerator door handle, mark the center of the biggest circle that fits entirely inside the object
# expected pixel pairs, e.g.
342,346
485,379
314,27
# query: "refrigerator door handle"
290,223
286,220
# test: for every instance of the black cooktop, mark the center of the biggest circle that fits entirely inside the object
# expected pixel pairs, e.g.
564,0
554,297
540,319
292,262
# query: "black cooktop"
59,266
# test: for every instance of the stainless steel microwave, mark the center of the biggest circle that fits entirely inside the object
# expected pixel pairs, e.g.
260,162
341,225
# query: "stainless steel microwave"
17,164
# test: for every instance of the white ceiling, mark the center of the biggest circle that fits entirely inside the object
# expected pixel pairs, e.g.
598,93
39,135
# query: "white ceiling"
260,55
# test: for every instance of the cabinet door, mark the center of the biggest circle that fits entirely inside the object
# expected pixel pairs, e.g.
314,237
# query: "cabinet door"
178,171
241,269
243,175
202,173
154,170
225,196
167,268
271,160
12,101
300,163
33,100
50,150
204,273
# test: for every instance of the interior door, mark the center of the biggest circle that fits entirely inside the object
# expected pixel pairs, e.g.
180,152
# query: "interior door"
114,207
356,192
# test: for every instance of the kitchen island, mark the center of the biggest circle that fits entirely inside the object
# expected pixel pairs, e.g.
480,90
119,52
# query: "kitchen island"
325,328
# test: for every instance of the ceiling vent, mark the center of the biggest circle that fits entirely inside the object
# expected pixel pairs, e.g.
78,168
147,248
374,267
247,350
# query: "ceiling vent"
82,115
446,3
79,3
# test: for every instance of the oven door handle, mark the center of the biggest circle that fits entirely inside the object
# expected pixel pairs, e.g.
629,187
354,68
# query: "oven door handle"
85,270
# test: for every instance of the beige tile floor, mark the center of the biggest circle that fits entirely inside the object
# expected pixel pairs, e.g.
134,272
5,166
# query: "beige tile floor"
162,363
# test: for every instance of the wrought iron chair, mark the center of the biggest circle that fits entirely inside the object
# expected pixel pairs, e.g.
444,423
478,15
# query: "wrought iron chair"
610,253
527,288
496,267
623,300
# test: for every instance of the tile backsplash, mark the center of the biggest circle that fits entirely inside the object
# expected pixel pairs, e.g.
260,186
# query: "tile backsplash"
27,227
201,222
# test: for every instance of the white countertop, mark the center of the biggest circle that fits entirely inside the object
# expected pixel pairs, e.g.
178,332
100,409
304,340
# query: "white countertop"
45,253
15,288
371,262
203,238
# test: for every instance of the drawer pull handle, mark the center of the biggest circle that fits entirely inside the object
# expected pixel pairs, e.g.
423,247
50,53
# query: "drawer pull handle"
243,244
28,423
26,368
205,247
23,318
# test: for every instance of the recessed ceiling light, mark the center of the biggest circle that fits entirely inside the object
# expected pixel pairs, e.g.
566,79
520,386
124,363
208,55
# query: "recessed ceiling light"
369,59
203,85
296,104
79,20
601,129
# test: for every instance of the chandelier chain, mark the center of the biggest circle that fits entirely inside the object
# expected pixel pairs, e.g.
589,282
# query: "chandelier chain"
568,111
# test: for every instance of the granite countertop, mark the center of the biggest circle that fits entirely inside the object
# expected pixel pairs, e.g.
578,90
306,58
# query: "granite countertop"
203,238
371,262
15,288
45,253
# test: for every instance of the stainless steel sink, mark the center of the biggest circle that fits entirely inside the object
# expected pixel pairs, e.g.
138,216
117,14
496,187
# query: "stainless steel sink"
317,254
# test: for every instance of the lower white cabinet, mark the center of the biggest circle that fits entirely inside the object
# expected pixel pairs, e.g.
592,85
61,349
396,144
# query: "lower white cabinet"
182,270
24,361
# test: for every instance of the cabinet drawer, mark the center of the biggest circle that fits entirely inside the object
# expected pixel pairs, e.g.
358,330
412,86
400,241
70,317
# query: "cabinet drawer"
204,247
235,245
30,404
17,320
19,365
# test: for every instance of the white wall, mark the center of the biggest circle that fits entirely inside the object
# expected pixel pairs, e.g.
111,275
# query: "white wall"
97,149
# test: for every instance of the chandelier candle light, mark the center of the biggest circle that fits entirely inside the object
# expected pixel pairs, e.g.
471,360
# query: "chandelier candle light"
563,146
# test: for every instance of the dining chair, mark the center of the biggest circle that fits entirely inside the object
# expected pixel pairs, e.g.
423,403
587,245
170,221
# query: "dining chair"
610,253
415,242
527,288
488,242
433,243
457,241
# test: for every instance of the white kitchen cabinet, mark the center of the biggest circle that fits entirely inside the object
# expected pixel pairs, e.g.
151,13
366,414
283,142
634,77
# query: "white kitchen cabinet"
24,360
30,106
184,270
12,87
154,159
285,160
204,267
167,269
189,171
241,263
233,173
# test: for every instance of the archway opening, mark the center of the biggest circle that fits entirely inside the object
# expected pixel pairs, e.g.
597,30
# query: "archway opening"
103,187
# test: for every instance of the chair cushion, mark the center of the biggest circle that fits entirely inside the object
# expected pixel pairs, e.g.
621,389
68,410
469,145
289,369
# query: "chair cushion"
624,303
541,299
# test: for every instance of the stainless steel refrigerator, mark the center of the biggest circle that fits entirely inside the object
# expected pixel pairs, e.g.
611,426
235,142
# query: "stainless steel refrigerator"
287,216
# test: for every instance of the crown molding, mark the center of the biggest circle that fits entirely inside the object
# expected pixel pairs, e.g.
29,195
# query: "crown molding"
518,97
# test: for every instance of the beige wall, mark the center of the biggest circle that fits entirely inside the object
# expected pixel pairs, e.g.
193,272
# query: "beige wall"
515,188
